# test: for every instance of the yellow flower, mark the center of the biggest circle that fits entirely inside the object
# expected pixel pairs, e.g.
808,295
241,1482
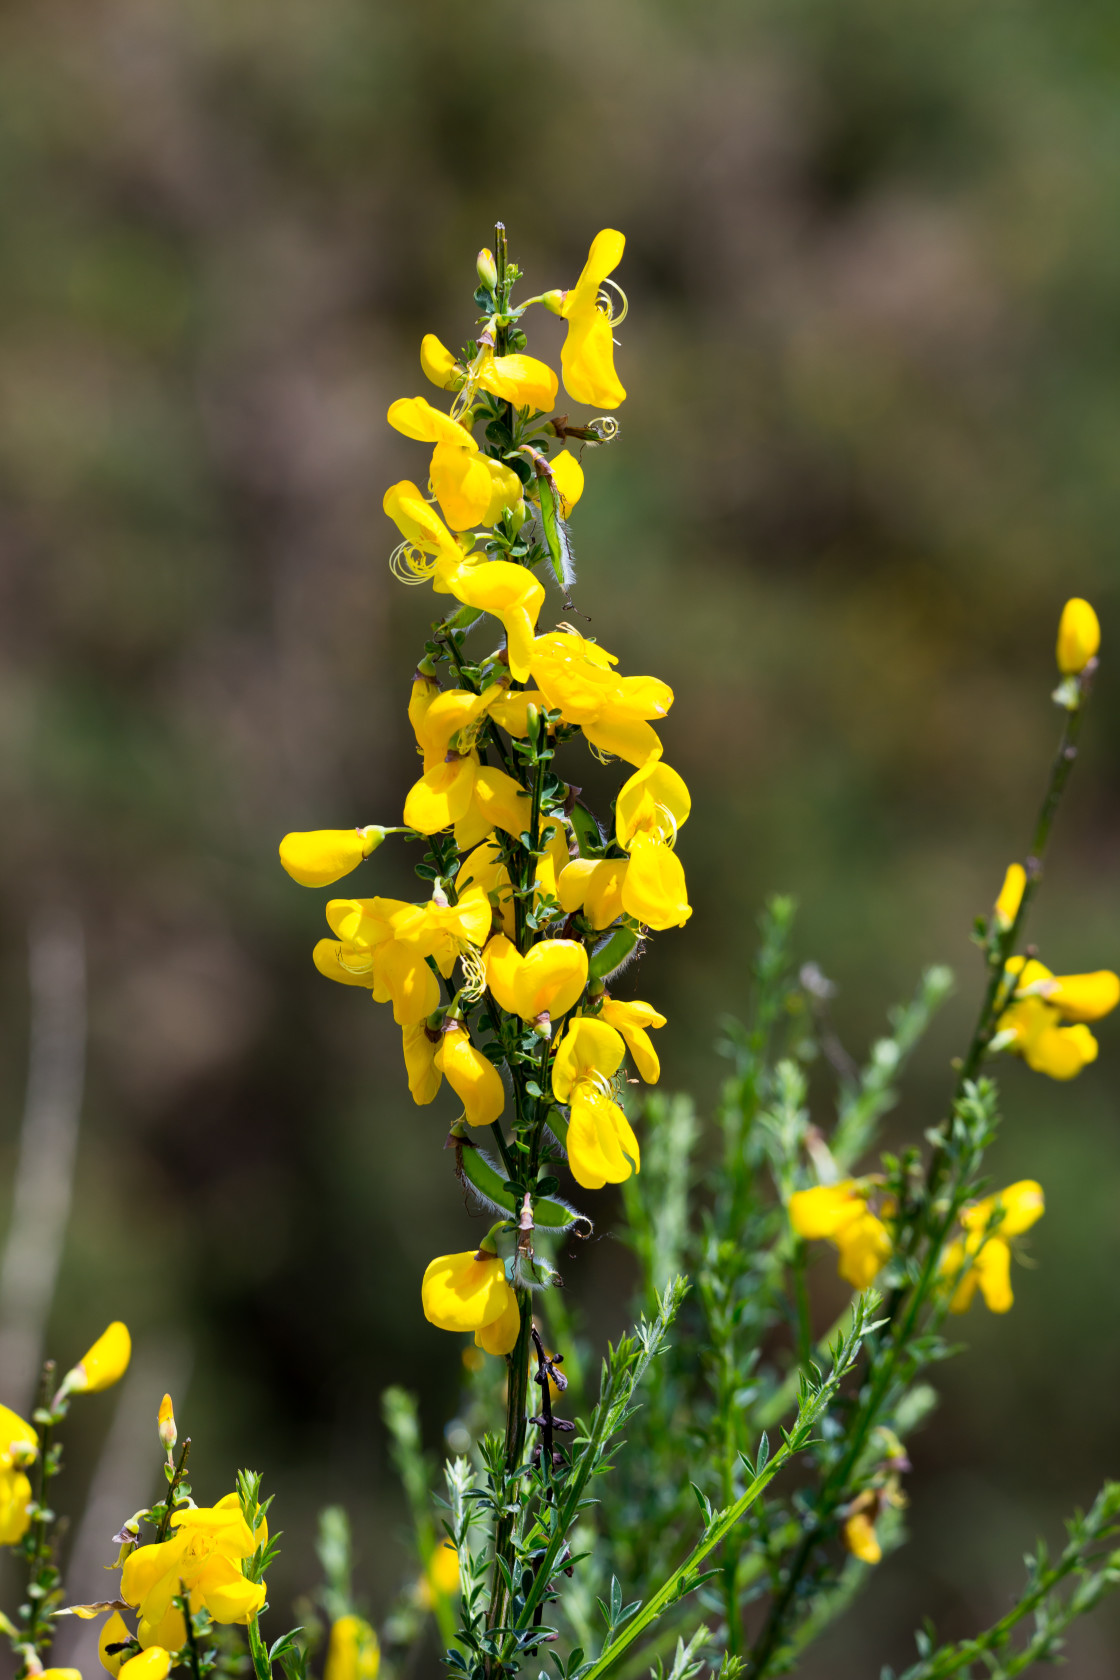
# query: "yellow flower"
1010,895
1034,1025
649,810
60,1674
632,1020
521,380
325,855
861,1539
1079,636
587,359
988,1258
104,1363
152,1664
471,488
469,1292
456,789
839,1214
547,981
654,801
352,1652
510,593
384,943
114,1632
441,1578
576,679
471,1075
204,1554
602,1148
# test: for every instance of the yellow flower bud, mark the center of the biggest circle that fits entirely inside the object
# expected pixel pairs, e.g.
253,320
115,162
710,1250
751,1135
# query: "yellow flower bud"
165,1424
1079,636
323,855
487,269
554,300
1010,895
353,1652
105,1363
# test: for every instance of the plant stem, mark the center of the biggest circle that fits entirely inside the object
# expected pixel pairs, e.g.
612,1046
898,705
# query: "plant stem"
172,1490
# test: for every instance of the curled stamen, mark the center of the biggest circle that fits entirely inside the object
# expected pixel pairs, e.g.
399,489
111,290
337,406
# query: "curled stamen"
672,821
606,425
474,972
606,303
597,752
410,564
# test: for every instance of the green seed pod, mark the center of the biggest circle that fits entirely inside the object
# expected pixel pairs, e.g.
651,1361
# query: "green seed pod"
549,1214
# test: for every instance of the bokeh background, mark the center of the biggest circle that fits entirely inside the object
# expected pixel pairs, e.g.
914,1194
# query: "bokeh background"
871,444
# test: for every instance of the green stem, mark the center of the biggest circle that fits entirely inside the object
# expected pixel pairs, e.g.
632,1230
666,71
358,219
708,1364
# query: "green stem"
517,1414
172,1491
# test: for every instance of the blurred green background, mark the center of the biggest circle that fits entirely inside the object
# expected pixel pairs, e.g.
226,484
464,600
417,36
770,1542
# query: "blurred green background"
871,445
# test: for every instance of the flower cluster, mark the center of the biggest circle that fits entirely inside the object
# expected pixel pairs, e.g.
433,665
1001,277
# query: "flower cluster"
500,980
1039,1016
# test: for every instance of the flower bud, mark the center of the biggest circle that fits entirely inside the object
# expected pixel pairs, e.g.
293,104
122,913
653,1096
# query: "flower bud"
1079,636
168,1434
1010,895
487,269
103,1365
553,300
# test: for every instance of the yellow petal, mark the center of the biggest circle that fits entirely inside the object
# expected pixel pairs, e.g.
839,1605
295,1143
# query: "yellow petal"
114,1632
602,1148
105,1362
568,474
825,1209
654,800
861,1539
1084,997
442,795
502,802
588,1048
463,1292
462,484
152,1664
338,961
631,1020
521,380
19,1443
353,1652
993,1273
512,595
323,855
474,1079
424,1078
499,1336
653,887
439,364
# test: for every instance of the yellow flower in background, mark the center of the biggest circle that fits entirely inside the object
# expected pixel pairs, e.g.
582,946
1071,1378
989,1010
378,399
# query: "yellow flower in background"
152,1664
205,1554
548,980
510,593
104,1363
469,1292
988,1258
602,1148
60,1674
632,1020
576,679
1045,1020
1010,895
587,358
441,1578
353,1652
471,1075
115,1631
521,380
1079,636
839,1214
471,488
859,1533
